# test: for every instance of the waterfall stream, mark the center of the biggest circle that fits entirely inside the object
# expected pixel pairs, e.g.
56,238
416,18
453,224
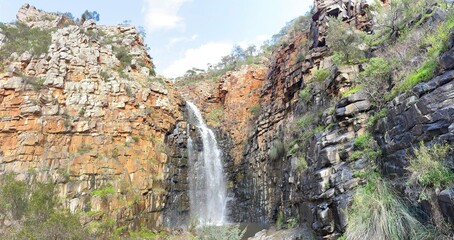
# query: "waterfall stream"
207,189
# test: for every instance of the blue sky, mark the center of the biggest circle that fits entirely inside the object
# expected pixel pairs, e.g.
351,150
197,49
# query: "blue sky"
184,33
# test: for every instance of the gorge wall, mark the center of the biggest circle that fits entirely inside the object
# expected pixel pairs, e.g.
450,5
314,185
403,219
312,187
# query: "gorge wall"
88,115
297,158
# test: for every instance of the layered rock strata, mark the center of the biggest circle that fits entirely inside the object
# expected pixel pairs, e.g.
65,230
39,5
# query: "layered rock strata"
88,116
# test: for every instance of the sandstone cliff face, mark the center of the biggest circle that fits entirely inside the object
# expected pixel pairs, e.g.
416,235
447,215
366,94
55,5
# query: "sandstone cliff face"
82,117
231,104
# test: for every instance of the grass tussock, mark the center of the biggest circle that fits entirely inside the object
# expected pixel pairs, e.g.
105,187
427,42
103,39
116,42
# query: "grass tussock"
320,75
378,213
277,151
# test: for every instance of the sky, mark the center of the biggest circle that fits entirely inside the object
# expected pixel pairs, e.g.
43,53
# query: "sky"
183,34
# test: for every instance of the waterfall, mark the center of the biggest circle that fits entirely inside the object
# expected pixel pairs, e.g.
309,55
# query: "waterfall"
207,189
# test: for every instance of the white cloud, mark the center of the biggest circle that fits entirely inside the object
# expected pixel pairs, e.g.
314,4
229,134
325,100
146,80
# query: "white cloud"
176,40
163,14
207,53
199,58
257,41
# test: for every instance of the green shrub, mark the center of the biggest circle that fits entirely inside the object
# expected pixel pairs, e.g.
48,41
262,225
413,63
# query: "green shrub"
301,164
229,232
395,20
305,95
152,72
292,223
293,147
351,91
437,42
42,202
84,149
122,54
104,191
122,74
277,151
13,197
92,212
305,121
82,112
376,79
343,39
378,213
37,83
372,153
145,233
300,57
255,110
104,75
20,38
215,116
360,173
356,155
115,153
280,224
427,166
59,225
363,141
128,91
37,209
424,73
377,116
104,229
94,34
320,75
366,148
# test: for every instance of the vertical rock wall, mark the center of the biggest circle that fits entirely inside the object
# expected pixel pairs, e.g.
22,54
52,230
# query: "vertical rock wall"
86,119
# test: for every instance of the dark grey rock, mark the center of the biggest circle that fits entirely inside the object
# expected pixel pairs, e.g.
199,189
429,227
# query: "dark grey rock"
446,61
446,201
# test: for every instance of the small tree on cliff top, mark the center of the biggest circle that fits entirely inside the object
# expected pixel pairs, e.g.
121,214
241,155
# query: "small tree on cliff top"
344,40
87,15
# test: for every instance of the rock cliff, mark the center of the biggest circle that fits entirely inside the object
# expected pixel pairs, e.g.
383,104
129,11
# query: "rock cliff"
299,160
88,115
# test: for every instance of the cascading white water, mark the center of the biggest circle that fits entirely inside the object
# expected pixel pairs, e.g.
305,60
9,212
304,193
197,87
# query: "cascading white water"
207,190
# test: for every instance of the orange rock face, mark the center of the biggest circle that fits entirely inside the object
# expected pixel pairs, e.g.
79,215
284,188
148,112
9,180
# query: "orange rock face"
232,103
239,94
87,121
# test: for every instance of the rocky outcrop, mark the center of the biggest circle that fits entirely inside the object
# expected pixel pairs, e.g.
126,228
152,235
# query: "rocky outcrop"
88,116
425,115
33,17
350,11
